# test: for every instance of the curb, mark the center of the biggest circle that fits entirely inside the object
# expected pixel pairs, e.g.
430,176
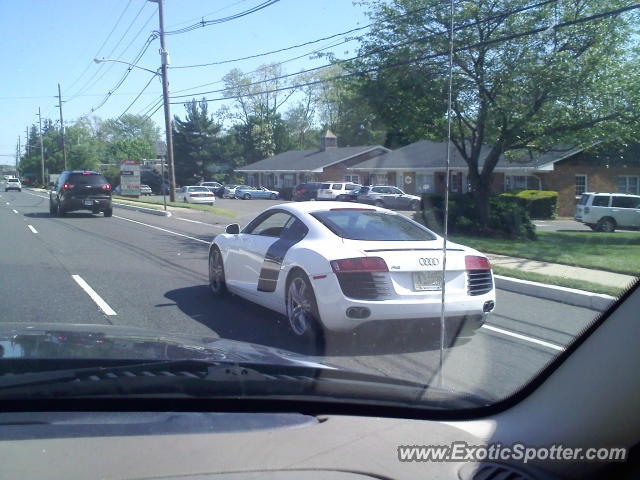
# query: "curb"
151,211
570,296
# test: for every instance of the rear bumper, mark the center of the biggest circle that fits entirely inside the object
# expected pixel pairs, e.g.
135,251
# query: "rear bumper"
460,309
99,204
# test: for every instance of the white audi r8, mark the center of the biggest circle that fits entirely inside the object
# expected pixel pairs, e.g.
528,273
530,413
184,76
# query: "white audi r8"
330,267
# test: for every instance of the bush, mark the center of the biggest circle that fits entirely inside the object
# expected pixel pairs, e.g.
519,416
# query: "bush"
508,216
539,203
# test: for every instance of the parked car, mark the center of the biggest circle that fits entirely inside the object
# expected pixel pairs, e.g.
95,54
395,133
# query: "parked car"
145,190
247,193
352,195
230,190
306,191
388,197
213,186
196,194
336,190
80,190
604,212
12,184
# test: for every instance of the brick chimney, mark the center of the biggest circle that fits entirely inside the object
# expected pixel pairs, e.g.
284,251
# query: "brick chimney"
328,141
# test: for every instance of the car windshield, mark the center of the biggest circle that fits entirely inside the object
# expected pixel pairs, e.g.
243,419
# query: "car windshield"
372,226
86,179
450,189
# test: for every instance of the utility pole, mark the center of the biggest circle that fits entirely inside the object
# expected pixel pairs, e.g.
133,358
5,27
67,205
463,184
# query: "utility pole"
41,145
26,130
18,156
164,55
64,150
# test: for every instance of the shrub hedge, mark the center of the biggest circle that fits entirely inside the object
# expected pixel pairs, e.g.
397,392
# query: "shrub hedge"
508,216
539,203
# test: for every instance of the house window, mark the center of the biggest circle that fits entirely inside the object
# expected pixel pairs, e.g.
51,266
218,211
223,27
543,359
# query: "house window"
520,182
352,178
581,184
378,179
453,182
628,184
288,180
425,183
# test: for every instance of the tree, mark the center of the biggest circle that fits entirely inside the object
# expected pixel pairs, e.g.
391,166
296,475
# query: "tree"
521,81
196,143
129,136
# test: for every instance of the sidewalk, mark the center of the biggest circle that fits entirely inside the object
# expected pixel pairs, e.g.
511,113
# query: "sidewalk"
609,279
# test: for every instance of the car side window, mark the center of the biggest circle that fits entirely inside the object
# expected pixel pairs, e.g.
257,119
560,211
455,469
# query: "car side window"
397,191
378,190
271,225
600,201
336,186
625,202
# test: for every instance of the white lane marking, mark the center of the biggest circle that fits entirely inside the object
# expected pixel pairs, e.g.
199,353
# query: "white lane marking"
15,211
32,229
524,337
36,195
102,305
7,203
162,229
196,221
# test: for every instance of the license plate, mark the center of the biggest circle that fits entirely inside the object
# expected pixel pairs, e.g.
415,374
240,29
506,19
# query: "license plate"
425,281
88,203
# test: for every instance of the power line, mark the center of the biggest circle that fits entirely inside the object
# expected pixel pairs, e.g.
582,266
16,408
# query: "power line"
137,97
383,49
207,14
513,36
206,23
102,46
88,84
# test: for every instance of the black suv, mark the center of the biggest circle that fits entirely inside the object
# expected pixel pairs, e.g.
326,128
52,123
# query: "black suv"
306,191
80,190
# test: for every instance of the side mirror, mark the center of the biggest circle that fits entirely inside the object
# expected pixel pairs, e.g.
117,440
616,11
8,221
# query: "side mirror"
233,229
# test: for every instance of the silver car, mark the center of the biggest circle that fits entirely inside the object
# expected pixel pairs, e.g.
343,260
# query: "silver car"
388,197
247,193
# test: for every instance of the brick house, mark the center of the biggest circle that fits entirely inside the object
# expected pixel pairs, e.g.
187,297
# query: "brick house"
419,167
328,163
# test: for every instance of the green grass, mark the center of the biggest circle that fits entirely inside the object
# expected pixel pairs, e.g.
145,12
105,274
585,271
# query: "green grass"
194,206
135,203
614,252
560,281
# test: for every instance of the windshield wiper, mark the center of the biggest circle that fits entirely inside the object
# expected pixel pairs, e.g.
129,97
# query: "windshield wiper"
219,379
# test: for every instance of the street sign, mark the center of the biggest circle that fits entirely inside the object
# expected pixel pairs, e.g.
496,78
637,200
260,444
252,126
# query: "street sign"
161,148
130,177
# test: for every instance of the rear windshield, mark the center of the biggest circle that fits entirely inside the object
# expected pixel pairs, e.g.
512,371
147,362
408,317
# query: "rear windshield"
584,199
87,179
350,187
325,185
12,179
198,189
372,225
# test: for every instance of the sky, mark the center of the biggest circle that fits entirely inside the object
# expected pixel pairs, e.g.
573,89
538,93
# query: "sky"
46,42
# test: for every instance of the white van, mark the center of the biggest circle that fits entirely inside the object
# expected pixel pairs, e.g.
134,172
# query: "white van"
604,212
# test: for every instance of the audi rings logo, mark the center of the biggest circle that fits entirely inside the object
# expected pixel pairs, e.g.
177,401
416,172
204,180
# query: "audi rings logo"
429,262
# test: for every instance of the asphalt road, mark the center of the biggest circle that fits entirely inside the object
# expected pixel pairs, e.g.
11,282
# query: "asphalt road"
151,272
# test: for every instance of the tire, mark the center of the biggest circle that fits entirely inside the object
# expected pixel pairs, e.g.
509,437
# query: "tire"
414,205
606,225
52,209
59,210
108,212
379,203
217,284
340,198
185,200
303,317
273,196
246,196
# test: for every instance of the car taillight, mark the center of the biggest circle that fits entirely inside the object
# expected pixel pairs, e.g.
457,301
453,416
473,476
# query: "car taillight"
359,264
67,186
302,190
106,187
473,262
87,173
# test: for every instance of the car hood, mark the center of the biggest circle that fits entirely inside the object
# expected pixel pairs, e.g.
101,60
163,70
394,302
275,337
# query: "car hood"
59,340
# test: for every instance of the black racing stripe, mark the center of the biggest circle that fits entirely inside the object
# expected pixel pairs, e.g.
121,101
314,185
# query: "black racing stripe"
270,271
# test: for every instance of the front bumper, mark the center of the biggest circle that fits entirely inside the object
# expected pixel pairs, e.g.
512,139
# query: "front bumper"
459,308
